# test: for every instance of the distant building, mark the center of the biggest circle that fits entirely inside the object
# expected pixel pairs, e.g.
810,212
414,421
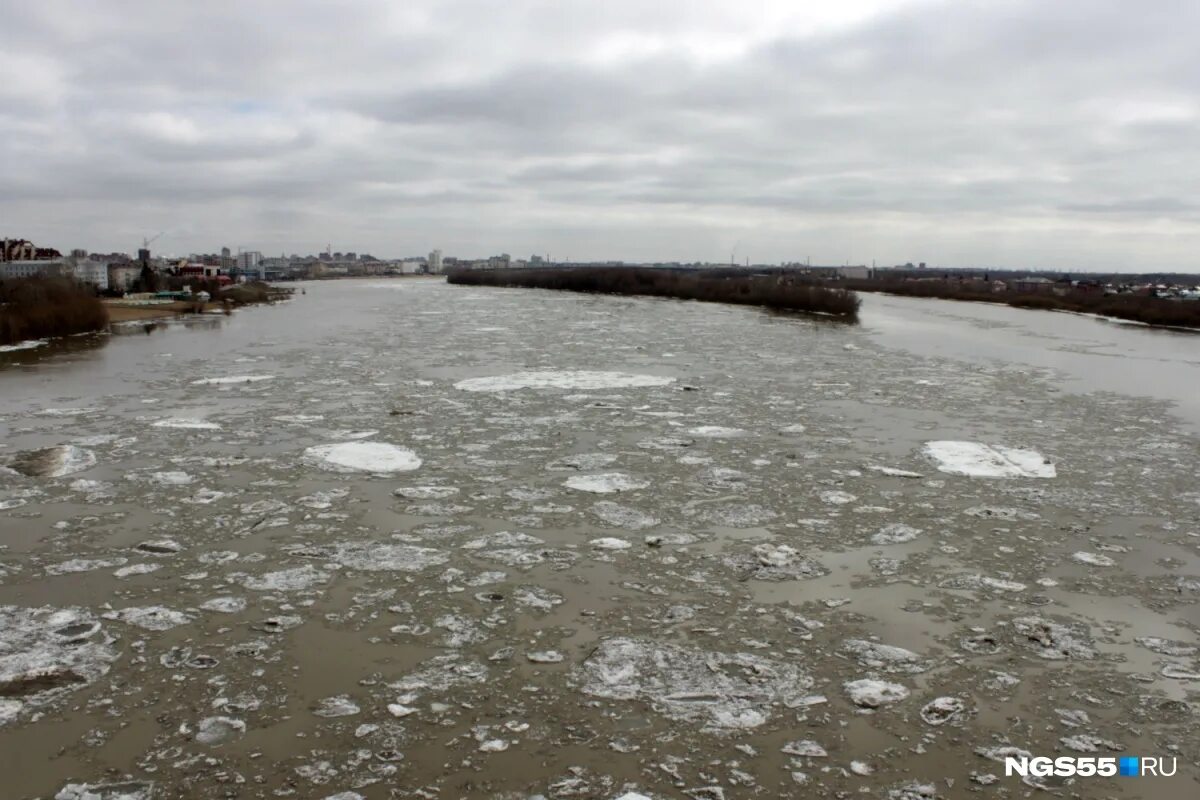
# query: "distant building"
123,277
86,270
1032,285
30,268
25,250
435,262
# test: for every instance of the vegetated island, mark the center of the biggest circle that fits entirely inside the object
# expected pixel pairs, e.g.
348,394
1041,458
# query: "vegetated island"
775,289
1048,295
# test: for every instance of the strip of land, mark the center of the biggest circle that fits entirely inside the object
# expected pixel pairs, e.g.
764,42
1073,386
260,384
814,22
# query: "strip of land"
1132,307
779,291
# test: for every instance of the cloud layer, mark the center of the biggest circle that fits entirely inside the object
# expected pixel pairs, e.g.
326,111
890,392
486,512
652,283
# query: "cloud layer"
988,133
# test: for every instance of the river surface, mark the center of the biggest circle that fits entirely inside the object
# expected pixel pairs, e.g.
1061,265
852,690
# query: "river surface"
396,538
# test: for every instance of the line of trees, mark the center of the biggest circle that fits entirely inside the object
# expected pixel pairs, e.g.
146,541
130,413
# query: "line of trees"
1132,307
777,291
38,308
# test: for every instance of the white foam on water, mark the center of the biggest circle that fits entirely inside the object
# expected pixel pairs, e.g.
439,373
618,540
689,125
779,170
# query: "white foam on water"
363,457
568,379
977,460
231,379
605,483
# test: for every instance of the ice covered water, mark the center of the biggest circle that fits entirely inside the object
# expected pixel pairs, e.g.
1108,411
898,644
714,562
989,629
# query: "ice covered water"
393,544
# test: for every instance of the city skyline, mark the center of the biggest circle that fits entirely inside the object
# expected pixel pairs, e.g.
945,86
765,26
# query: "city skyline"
1014,135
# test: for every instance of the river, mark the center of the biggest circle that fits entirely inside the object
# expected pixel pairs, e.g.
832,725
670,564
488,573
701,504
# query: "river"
395,538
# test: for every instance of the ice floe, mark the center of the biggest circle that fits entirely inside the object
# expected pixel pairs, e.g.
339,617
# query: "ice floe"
363,457
872,693
721,691
231,379
213,731
605,483
895,533
715,432
1093,559
151,618
553,379
296,579
426,492
620,516
47,651
988,461
53,462
187,424
885,657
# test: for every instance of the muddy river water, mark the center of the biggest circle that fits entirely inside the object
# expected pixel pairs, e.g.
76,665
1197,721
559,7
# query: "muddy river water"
405,539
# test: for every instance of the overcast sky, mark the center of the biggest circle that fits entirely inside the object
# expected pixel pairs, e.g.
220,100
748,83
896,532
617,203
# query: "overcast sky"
1052,133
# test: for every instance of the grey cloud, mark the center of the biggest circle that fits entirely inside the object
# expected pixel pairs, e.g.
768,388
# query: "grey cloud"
935,130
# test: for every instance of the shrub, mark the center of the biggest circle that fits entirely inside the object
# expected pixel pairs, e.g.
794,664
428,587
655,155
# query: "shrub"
38,308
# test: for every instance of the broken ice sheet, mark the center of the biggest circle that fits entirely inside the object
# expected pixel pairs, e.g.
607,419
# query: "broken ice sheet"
722,691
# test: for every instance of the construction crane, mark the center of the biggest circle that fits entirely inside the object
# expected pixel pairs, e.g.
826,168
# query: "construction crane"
147,242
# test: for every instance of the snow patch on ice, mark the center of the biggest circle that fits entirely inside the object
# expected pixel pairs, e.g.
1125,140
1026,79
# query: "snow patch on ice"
988,461
363,457
605,483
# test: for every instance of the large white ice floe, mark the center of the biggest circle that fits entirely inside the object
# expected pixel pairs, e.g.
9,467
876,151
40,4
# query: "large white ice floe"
45,652
363,457
53,462
977,460
722,691
231,379
605,483
555,379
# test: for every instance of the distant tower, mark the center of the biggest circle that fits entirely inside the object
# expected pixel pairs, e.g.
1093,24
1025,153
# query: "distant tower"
435,262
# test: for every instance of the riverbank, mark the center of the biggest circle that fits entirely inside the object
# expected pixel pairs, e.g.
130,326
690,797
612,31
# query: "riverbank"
1131,308
776,291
